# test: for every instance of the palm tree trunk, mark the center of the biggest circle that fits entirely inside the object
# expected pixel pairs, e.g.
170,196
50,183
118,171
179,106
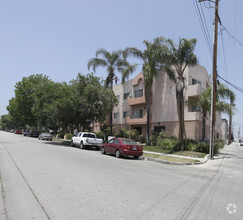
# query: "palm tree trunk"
180,112
204,126
111,109
230,124
148,117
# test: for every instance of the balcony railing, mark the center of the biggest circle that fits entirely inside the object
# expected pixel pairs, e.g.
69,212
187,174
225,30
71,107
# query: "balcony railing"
137,101
194,90
138,121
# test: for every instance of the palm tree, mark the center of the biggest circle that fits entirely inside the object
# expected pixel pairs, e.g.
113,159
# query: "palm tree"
153,58
204,102
225,92
179,58
113,62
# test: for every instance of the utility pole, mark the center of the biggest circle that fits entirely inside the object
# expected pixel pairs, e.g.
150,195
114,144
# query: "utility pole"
214,89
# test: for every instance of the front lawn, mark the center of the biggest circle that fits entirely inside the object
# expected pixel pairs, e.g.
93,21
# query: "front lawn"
170,159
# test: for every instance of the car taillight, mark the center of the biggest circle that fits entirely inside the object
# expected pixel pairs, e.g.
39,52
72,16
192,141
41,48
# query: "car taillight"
125,147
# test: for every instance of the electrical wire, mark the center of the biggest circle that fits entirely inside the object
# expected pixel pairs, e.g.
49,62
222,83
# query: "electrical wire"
231,84
203,27
225,64
231,35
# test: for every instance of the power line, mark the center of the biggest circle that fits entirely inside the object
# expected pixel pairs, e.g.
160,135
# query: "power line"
231,35
231,84
203,27
222,40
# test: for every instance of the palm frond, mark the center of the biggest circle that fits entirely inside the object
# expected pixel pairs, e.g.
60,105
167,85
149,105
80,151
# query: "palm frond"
96,62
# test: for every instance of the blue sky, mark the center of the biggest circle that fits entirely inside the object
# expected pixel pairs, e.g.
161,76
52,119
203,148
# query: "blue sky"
58,37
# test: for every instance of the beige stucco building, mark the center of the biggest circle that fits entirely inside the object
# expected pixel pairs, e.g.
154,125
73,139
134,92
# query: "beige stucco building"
131,111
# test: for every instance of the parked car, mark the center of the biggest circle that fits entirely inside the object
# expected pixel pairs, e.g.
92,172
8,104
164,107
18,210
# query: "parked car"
17,132
45,136
86,139
33,133
241,142
26,133
122,147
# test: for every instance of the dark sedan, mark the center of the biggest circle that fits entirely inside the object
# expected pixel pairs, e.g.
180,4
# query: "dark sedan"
122,147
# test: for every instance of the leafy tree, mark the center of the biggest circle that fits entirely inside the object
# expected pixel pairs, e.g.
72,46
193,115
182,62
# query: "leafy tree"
113,62
179,58
5,122
153,58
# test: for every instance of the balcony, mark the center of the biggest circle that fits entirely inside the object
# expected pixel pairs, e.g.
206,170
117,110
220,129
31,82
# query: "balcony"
136,101
138,121
194,90
193,116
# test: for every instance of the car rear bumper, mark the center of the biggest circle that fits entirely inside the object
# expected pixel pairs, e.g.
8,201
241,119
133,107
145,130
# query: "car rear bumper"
131,153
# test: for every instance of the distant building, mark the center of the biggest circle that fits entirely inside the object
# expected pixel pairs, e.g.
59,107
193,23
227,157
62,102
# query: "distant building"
131,111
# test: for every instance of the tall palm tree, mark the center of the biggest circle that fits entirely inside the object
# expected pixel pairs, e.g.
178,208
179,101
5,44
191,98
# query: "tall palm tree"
180,57
153,58
113,62
225,92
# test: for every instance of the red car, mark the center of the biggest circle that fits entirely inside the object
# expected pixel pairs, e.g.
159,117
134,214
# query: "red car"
122,147
18,132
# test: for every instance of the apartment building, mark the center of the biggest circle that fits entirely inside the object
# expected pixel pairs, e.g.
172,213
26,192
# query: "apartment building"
131,111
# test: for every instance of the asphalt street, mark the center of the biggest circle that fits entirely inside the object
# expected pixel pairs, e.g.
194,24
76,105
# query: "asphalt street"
47,180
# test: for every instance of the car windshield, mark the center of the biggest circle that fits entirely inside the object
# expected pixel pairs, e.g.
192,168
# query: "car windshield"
89,135
128,141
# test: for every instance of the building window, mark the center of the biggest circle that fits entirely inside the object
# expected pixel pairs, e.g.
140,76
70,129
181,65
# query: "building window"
138,113
194,82
125,114
138,93
195,108
116,115
125,95
118,97
158,129
139,129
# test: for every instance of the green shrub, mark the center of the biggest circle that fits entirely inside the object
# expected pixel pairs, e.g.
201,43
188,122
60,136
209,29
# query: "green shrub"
122,133
192,147
202,147
141,138
61,135
100,135
167,143
68,136
132,134
154,139
163,134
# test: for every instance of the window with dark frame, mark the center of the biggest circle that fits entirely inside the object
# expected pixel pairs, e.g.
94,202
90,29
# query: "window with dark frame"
138,113
138,93
125,114
125,95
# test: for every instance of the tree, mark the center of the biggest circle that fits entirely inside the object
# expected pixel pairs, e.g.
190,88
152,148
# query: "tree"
113,62
225,92
204,102
179,58
153,58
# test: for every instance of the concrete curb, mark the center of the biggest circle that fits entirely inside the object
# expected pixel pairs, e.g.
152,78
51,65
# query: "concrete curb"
3,214
176,163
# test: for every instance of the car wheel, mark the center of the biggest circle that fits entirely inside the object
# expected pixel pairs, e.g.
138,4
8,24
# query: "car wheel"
118,154
136,157
72,144
81,145
103,150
